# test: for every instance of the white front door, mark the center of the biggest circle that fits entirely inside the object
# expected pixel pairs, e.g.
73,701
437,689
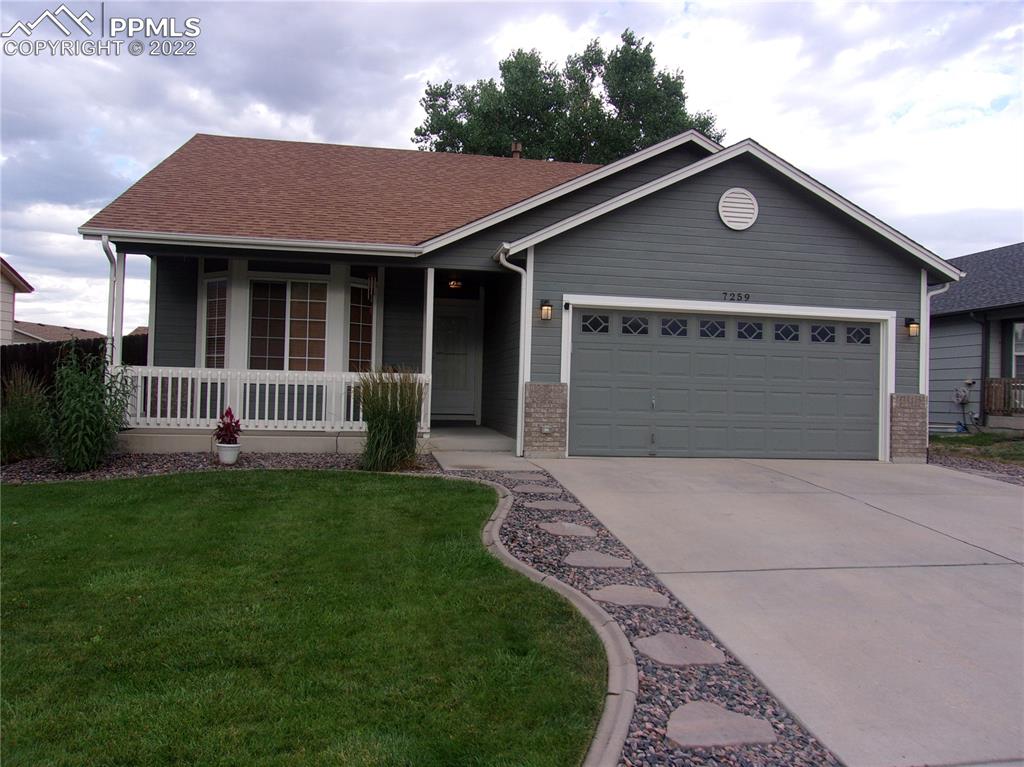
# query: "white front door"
458,334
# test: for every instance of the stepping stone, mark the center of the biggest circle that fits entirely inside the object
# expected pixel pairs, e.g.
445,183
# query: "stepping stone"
704,725
553,505
567,528
525,476
621,594
537,490
678,650
592,558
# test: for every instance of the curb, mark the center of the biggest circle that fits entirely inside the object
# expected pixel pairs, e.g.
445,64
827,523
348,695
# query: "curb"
612,729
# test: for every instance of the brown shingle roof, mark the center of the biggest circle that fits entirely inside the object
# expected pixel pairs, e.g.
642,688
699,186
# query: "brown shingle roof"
243,187
53,332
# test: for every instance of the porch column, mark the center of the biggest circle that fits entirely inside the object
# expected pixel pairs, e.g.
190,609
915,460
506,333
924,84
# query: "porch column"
428,336
116,342
238,314
337,318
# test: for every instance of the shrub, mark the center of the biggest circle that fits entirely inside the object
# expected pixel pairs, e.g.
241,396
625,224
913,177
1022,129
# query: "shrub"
228,429
23,416
391,403
90,403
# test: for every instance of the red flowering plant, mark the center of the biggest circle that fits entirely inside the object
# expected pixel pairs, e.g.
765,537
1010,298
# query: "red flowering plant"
228,429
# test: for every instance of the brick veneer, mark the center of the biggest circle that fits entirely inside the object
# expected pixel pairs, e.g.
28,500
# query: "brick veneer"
908,428
545,419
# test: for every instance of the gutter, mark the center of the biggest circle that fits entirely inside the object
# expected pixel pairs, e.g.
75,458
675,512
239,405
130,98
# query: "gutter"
501,256
105,242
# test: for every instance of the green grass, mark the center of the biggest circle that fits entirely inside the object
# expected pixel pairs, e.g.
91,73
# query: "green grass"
991,446
281,618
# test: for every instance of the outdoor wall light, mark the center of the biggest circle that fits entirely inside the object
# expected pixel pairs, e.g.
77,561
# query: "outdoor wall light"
545,310
913,327
455,283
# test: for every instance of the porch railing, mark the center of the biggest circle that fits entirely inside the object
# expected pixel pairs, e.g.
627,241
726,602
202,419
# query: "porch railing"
1004,396
194,398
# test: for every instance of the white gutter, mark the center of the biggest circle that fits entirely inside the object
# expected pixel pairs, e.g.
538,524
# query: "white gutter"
925,360
501,256
254,243
105,242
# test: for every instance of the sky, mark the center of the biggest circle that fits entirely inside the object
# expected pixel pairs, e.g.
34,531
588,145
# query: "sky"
911,110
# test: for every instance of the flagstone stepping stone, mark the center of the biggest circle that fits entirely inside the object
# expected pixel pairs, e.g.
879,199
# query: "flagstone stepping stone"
553,505
537,490
592,558
620,594
567,528
704,725
678,650
525,476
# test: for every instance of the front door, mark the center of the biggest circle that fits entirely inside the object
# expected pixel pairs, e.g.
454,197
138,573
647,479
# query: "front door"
455,387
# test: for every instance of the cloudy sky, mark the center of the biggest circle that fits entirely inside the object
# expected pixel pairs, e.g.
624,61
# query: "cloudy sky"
912,110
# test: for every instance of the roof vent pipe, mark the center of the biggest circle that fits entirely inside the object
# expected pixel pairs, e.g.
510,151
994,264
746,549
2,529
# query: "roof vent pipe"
517,150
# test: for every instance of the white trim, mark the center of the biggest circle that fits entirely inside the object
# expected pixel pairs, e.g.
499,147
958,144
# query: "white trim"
255,243
428,332
887,336
151,340
570,186
745,147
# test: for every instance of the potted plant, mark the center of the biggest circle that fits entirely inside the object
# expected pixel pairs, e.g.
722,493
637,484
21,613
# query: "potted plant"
226,438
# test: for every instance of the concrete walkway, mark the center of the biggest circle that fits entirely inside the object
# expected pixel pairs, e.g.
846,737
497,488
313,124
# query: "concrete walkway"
883,604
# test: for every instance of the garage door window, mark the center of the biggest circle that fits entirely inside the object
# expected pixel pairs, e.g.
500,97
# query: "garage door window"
750,331
712,329
823,334
634,326
858,334
595,323
673,326
787,331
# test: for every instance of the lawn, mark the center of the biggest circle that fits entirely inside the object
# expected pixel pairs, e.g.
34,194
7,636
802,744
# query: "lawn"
990,446
281,618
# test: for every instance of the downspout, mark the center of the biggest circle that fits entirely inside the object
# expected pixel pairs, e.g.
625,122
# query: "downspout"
105,242
501,256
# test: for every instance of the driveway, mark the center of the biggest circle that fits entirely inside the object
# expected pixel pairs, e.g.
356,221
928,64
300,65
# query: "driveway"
883,604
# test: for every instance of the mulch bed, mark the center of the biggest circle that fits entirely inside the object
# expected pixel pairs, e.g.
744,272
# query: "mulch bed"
1004,472
124,465
662,689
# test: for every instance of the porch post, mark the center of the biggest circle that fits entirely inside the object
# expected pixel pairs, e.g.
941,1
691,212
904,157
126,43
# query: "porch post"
118,313
237,340
428,337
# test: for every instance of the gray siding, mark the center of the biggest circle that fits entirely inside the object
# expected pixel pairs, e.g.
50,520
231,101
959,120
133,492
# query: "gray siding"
477,252
403,319
499,405
673,245
174,334
955,357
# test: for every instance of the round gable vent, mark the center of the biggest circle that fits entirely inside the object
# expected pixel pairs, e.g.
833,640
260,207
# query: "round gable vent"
738,208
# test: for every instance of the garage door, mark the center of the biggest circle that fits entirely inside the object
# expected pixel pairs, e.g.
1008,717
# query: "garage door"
647,383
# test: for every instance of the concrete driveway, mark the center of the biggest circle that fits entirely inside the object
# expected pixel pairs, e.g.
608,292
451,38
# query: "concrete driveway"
883,604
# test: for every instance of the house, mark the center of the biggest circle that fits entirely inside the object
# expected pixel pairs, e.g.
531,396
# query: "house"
977,343
11,283
141,330
687,300
36,332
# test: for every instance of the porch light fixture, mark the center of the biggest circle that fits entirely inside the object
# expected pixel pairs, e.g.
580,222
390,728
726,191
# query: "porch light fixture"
455,283
545,310
913,327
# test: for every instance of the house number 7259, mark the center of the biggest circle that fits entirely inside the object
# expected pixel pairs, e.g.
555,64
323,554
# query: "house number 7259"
729,296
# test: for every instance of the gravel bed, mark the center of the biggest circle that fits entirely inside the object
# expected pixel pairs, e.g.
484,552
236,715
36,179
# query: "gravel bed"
1004,472
662,689
124,465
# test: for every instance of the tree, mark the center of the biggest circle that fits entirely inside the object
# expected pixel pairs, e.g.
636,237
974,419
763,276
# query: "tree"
597,108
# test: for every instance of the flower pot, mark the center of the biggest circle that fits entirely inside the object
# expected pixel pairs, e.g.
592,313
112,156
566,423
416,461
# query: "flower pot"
228,454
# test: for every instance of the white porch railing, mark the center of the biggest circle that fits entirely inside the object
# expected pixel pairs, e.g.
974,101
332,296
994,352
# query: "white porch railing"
194,398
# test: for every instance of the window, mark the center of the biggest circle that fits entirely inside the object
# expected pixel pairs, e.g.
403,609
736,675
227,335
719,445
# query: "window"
634,326
1017,367
749,331
712,329
673,327
787,331
360,338
216,323
823,334
594,323
858,334
288,316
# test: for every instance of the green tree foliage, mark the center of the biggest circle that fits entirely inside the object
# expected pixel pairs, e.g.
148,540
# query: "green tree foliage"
598,108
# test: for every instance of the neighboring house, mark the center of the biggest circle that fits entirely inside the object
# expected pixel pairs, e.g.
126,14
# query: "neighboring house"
141,330
11,283
35,332
977,335
687,300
